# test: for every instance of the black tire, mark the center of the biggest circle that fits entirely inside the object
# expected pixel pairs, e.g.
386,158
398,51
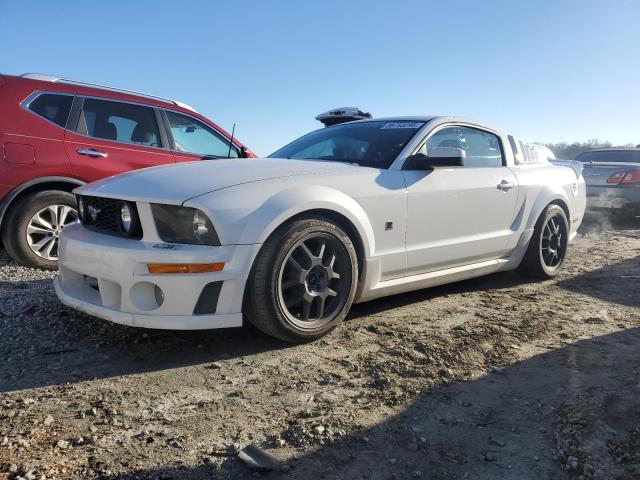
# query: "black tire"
538,262
271,294
15,225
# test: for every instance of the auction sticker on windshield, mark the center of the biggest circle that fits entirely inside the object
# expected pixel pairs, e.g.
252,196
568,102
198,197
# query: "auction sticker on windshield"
402,125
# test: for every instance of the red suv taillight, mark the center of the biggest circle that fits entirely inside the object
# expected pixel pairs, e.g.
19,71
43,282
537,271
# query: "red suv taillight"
626,177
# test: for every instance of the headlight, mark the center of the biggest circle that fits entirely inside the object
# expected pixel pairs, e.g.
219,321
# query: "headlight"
183,225
128,220
125,218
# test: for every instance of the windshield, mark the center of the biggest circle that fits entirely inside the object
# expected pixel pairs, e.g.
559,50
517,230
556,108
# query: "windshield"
610,156
370,144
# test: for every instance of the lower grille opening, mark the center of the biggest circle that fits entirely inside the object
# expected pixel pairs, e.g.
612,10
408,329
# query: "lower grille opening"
92,282
208,300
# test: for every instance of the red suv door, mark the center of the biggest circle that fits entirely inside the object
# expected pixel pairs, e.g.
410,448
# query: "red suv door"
112,137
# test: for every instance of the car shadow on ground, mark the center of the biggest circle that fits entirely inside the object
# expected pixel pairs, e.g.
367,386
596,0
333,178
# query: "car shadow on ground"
47,344
606,283
559,414
494,281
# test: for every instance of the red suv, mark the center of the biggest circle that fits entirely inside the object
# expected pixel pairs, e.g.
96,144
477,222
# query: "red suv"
57,134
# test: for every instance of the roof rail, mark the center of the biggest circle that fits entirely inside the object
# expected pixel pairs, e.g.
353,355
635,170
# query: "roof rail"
54,79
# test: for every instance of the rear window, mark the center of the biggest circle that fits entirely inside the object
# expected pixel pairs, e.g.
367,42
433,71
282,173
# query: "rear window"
53,107
610,156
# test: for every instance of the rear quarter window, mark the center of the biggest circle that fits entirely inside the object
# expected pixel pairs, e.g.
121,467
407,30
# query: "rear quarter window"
53,107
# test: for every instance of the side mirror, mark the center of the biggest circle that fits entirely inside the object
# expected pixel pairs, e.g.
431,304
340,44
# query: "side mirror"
243,152
438,157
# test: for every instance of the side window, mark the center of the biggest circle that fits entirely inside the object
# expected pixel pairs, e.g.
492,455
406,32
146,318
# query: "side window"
193,136
53,107
120,122
482,148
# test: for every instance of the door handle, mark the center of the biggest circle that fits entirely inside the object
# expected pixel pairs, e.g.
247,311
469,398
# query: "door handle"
505,185
90,152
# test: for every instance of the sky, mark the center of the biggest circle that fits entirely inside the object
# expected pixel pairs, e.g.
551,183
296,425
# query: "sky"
542,70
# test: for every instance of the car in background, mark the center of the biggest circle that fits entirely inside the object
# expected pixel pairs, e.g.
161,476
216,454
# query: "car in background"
612,176
57,134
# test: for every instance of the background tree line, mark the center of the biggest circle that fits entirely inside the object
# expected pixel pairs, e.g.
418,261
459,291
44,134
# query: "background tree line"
569,151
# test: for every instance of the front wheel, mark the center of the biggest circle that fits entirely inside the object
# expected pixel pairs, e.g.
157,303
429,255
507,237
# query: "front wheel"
33,225
548,245
303,281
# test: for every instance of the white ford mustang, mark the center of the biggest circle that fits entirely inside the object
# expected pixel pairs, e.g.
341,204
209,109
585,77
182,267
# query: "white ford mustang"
347,213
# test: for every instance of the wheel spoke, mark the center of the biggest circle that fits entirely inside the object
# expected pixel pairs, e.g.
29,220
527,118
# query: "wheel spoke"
38,246
52,244
322,248
64,215
306,309
41,221
307,252
54,212
33,229
320,307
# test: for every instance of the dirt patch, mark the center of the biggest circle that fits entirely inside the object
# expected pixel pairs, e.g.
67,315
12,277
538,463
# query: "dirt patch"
496,377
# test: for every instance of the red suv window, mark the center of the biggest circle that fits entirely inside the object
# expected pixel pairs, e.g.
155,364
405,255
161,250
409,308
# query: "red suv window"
120,122
53,107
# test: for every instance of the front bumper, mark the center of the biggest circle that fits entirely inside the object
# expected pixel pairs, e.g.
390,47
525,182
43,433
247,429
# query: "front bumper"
107,277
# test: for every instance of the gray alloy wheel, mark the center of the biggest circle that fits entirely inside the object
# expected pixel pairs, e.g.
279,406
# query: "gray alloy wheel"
32,226
303,280
44,228
548,245
553,242
314,281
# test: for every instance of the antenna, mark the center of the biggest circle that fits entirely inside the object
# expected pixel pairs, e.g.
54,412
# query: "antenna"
233,131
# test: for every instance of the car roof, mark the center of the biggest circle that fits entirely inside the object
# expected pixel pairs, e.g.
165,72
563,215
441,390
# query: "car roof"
86,88
421,118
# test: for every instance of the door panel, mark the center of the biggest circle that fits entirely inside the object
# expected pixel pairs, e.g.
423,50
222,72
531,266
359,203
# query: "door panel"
119,157
113,137
458,216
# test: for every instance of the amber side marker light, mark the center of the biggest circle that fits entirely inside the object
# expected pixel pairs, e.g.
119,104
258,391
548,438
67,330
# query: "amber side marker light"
185,267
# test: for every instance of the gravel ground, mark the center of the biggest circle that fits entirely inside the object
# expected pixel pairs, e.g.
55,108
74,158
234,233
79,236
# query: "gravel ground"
497,377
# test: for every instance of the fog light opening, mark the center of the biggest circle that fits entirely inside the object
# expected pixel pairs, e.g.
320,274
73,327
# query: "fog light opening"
159,294
146,296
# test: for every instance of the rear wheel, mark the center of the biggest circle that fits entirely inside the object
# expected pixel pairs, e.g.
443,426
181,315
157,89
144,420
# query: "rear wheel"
303,281
548,245
32,227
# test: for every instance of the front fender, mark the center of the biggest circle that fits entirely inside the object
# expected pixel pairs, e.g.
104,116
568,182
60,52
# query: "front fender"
249,218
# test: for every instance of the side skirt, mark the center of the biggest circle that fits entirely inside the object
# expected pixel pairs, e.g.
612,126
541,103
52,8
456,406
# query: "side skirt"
439,277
